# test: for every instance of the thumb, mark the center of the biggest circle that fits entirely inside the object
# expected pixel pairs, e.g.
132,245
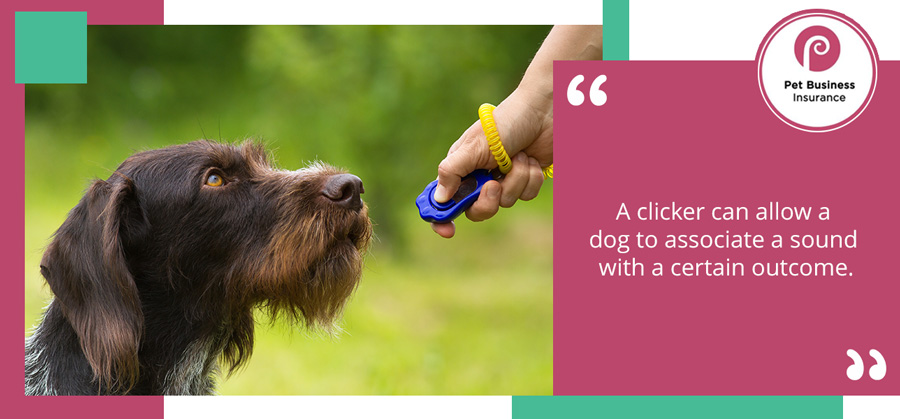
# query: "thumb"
468,156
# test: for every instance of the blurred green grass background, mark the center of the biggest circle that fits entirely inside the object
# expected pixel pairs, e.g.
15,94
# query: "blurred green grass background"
471,315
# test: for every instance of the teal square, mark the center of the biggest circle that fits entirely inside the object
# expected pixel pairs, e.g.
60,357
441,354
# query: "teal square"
51,47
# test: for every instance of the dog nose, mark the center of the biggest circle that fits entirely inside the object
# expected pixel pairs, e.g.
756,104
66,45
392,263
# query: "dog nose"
344,190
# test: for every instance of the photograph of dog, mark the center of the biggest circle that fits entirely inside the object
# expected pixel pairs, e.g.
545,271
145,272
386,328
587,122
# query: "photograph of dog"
159,264
156,271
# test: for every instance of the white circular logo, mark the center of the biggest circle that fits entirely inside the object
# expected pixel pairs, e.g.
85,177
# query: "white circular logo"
817,70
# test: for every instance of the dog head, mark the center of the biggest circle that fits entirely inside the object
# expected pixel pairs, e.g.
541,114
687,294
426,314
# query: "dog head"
213,231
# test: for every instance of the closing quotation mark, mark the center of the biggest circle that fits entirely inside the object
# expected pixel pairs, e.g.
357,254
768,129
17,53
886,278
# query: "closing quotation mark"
576,98
879,370
876,372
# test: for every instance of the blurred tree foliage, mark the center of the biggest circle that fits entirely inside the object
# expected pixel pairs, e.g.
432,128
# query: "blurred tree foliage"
385,102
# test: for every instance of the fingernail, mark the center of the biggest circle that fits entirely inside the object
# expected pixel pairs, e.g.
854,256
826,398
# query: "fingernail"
521,158
440,194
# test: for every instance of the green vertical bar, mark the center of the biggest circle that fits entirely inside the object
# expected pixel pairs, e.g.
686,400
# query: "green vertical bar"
677,407
615,30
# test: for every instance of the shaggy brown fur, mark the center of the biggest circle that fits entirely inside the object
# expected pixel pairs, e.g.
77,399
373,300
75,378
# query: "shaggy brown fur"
157,270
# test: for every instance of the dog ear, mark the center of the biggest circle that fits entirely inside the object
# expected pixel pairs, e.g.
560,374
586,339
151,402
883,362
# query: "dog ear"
86,268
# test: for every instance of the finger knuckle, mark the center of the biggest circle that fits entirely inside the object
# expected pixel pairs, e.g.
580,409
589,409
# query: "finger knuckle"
445,169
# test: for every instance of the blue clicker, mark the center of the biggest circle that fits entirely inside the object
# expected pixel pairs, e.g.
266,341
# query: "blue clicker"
469,188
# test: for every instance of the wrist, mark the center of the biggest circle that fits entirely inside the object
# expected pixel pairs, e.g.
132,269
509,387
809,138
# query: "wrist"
522,118
537,90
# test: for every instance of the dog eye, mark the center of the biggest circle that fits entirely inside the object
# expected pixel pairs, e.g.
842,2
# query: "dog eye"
214,180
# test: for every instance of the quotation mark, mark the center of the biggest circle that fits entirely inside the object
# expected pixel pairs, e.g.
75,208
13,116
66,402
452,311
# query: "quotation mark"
876,372
576,98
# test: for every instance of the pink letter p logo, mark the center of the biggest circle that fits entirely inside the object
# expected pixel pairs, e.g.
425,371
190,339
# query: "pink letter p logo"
817,48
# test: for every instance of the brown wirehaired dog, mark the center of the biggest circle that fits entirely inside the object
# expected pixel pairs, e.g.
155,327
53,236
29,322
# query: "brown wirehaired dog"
157,270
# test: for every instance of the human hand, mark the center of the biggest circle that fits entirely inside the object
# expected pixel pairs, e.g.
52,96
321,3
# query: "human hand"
525,123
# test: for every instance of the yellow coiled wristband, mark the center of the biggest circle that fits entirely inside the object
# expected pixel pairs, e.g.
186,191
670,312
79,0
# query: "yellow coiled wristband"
486,115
